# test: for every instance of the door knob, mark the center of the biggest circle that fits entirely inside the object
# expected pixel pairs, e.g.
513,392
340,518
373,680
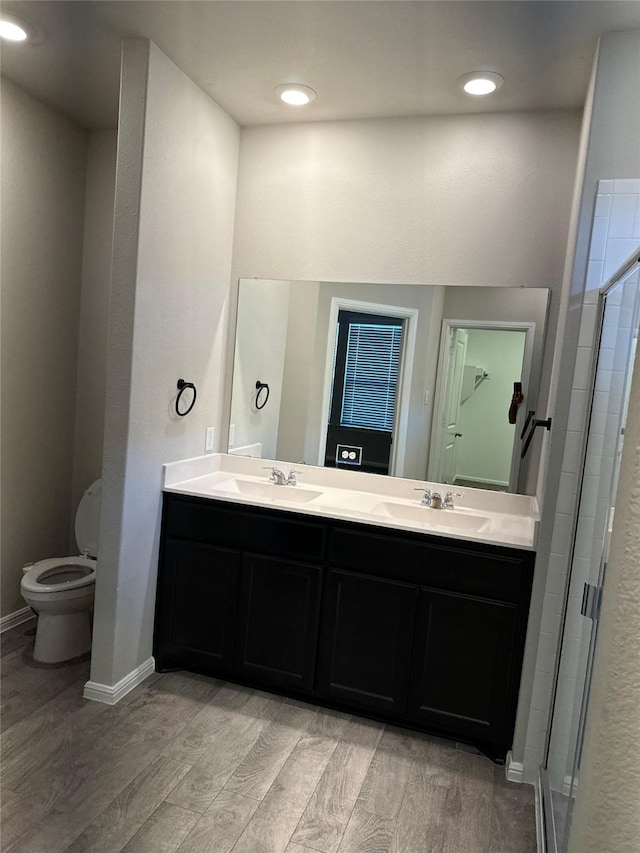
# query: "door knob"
457,435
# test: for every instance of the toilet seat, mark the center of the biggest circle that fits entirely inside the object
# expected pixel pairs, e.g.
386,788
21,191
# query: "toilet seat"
49,576
61,590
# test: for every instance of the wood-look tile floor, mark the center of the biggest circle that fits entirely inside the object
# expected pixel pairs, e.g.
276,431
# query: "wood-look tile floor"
191,764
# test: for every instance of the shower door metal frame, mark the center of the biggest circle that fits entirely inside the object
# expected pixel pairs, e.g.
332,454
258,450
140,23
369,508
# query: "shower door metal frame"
546,815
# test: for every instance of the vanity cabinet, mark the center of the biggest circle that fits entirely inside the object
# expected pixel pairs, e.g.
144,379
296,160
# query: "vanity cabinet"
464,654
277,622
415,629
197,607
365,641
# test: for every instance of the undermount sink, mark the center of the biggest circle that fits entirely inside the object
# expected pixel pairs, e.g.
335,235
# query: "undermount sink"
268,491
443,518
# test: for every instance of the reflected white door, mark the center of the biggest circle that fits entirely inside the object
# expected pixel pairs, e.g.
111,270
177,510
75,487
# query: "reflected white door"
450,431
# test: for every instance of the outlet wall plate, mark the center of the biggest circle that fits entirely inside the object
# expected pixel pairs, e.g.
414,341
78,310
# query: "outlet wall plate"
348,454
209,439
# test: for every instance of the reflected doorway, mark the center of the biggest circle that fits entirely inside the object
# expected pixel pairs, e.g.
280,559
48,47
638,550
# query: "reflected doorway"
379,402
475,443
364,391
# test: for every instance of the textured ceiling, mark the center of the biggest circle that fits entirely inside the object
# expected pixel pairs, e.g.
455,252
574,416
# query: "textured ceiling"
370,58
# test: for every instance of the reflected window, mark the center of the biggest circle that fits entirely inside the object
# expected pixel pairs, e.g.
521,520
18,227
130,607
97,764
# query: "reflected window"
371,372
364,393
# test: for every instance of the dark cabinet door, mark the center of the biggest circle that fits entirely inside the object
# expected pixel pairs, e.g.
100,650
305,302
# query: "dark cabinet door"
463,666
278,622
365,644
197,595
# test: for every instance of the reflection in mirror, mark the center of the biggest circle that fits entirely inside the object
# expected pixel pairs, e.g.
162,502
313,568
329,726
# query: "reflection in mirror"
408,380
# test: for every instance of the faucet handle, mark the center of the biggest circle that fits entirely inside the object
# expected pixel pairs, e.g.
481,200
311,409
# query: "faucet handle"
292,479
427,495
276,473
447,503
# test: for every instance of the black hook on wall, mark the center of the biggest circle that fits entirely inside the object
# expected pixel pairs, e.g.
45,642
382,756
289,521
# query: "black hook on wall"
534,424
182,387
260,387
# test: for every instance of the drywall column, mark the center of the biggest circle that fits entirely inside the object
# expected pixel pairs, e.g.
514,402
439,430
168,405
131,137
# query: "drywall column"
94,313
173,229
43,177
606,818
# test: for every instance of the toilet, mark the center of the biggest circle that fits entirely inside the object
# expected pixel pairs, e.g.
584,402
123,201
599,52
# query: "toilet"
61,589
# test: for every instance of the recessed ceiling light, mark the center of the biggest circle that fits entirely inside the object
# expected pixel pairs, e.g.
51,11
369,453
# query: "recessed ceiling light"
480,82
13,29
295,95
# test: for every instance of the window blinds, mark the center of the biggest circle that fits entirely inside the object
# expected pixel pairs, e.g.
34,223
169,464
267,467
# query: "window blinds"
371,376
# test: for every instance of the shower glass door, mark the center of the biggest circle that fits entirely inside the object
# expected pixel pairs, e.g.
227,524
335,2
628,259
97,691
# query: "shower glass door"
614,367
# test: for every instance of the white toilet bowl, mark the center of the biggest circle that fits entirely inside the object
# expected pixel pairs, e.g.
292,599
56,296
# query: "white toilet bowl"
61,590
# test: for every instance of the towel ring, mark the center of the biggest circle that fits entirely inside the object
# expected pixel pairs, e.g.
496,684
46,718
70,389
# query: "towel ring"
182,386
260,387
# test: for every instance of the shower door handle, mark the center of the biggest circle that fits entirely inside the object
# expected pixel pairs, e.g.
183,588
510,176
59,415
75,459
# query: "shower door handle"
591,598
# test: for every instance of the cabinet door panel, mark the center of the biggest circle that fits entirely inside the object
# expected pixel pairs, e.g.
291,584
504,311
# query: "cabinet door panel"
463,664
365,647
198,589
278,621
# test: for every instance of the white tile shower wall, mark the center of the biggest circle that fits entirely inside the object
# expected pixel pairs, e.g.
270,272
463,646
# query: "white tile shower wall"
615,235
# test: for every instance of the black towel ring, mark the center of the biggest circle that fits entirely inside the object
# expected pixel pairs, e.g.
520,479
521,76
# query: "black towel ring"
182,386
260,387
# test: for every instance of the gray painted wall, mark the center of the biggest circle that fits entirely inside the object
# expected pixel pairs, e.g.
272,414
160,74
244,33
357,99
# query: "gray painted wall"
42,206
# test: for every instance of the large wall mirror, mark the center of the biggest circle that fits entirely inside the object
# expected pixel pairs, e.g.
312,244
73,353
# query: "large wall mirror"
404,380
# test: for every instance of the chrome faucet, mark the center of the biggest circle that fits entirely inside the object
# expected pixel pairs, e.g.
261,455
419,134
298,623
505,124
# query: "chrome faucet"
435,499
427,495
292,479
447,503
277,476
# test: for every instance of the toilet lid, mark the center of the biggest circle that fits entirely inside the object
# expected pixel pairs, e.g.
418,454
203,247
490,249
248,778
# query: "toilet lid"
88,520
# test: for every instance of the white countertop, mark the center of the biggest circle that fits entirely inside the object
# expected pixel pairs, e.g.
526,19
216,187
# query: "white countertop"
496,518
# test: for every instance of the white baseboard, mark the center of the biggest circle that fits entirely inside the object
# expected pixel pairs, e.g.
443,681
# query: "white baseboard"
503,483
108,694
513,770
16,618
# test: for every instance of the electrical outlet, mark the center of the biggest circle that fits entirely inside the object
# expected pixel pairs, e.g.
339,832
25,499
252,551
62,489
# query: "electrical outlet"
232,435
209,439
